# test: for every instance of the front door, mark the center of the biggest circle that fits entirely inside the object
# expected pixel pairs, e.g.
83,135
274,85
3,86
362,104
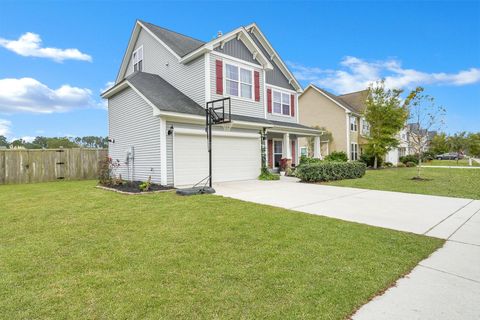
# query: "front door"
277,153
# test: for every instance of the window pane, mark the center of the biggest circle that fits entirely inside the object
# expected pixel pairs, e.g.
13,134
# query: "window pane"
286,109
277,96
246,91
245,76
277,147
277,107
231,72
140,68
232,88
285,98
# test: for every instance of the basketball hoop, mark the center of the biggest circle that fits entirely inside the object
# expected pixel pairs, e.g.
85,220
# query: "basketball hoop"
227,126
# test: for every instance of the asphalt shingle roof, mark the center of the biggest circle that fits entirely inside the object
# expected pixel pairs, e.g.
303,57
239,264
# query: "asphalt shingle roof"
354,102
179,43
163,95
168,98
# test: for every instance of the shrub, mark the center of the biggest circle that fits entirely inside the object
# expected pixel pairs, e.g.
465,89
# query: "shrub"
330,170
410,164
388,164
401,165
428,156
267,175
107,170
337,156
369,160
308,160
145,186
409,158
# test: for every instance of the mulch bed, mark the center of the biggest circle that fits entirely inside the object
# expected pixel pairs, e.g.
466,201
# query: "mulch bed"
133,187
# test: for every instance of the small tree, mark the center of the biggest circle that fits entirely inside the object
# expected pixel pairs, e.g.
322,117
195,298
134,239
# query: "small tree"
424,116
3,141
458,143
474,144
439,144
386,115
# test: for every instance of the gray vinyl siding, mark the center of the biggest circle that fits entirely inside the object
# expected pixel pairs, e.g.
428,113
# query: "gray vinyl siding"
243,107
275,76
189,78
131,123
170,171
236,48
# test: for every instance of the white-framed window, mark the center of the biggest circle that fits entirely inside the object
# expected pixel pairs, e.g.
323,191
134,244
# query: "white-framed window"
365,127
238,81
353,124
281,103
137,58
304,151
353,151
277,152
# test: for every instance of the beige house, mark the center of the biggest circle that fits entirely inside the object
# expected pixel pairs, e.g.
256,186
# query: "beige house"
341,115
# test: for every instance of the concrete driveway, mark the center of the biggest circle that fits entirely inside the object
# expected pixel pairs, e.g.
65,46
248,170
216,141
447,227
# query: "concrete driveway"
444,286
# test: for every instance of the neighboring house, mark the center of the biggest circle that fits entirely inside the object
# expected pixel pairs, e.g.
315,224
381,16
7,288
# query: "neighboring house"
156,108
341,115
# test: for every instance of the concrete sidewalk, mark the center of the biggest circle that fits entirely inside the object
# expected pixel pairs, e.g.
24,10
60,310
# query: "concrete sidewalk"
444,286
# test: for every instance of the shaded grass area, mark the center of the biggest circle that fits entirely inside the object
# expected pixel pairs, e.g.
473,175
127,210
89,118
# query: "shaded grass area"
69,250
461,183
452,163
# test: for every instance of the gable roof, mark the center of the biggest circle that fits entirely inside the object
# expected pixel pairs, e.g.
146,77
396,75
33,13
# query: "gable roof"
351,103
179,43
165,97
356,100
273,55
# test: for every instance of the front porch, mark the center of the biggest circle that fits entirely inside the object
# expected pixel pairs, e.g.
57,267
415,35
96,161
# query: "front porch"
284,144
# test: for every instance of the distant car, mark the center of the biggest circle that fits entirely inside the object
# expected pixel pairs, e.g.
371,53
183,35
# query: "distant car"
449,156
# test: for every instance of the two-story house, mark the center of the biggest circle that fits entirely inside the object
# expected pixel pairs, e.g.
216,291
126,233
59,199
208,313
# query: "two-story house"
340,115
156,109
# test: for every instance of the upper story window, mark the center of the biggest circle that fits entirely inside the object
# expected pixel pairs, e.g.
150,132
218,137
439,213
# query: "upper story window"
353,124
365,127
137,58
281,103
239,81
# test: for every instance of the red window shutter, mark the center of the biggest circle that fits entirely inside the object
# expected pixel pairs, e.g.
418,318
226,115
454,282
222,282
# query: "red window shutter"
269,100
270,153
219,74
256,76
292,105
293,152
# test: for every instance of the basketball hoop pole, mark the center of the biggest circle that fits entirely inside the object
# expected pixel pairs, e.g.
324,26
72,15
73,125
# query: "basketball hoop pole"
209,137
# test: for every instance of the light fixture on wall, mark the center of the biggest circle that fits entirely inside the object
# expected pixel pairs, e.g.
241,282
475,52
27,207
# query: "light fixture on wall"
170,131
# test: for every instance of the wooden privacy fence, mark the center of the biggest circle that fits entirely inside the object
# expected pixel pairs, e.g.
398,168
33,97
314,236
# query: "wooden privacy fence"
35,165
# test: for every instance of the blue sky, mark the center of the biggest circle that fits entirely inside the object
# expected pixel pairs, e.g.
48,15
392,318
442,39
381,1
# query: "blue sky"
340,46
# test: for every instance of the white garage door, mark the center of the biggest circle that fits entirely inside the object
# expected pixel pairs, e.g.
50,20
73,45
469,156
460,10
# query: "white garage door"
233,158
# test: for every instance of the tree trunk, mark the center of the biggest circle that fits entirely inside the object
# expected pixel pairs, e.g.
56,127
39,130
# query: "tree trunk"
419,165
375,163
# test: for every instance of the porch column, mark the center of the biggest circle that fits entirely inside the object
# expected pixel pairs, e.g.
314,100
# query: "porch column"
287,147
316,148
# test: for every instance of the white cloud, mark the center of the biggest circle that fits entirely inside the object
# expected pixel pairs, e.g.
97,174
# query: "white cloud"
30,95
107,86
29,45
5,127
357,74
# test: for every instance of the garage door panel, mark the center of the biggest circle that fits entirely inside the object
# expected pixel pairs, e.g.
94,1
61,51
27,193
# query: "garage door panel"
233,158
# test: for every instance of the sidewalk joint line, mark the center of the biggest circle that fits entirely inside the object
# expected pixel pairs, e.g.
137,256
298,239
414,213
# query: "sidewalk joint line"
461,242
450,215
336,198
452,274
463,224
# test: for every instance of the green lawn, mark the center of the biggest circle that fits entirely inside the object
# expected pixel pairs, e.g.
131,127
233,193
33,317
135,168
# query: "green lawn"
69,251
462,162
461,183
